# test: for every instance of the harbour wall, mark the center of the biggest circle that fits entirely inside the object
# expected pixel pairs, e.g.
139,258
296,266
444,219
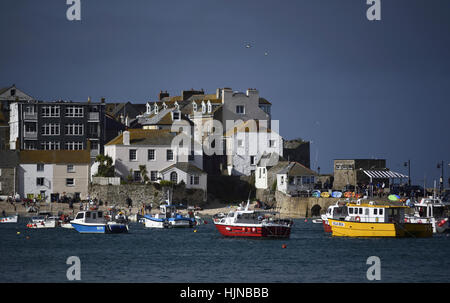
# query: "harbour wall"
145,193
295,207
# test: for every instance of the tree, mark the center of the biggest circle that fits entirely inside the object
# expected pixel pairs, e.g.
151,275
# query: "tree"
143,171
105,167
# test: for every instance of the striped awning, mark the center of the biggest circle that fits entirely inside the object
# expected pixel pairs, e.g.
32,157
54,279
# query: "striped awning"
383,174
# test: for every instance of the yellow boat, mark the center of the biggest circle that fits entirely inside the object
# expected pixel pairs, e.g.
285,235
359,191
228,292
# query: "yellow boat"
376,220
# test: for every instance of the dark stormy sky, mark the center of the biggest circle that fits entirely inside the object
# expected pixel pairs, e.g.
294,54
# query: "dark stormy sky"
354,88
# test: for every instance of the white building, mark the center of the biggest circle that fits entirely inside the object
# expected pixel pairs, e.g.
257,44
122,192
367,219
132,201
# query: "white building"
49,175
263,178
157,149
294,178
247,143
190,174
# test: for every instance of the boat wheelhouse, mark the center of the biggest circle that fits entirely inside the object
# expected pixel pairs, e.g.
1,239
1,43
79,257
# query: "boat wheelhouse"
94,221
370,219
431,210
336,211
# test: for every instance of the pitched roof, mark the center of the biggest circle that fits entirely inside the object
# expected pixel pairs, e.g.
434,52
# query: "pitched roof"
297,169
9,158
246,127
55,156
270,160
156,137
186,167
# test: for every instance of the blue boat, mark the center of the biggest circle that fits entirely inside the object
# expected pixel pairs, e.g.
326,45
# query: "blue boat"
168,218
93,221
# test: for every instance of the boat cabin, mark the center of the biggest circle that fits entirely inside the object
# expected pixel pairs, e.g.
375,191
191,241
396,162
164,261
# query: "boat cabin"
372,212
90,216
430,207
166,211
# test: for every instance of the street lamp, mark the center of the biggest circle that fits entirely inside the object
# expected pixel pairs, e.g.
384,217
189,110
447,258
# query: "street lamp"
441,180
409,171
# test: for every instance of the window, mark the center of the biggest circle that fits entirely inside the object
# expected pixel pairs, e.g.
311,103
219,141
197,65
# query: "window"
360,211
151,155
50,145
50,111
282,180
31,145
94,145
153,175
100,214
88,214
80,216
169,155
194,107
174,177
240,109
381,211
74,129
74,111
375,211
93,129
271,143
70,182
195,180
176,115
350,210
74,145
40,167
209,107
70,168
239,142
12,92
133,156
50,129
252,160
39,181
137,176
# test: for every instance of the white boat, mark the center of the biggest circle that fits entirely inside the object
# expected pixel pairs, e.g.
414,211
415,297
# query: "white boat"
431,210
43,220
168,218
93,221
9,219
335,211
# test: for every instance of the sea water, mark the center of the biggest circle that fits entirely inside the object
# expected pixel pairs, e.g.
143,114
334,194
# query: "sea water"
201,254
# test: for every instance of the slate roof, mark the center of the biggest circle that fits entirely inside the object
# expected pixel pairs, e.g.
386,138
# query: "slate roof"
270,160
296,169
55,156
155,137
186,167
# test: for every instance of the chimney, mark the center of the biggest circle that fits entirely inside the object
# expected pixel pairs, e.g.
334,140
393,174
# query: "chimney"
227,93
126,137
127,121
162,95
218,93
102,100
252,91
89,99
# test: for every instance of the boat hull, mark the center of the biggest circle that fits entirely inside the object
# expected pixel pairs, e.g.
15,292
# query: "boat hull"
261,231
326,226
372,229
152,222
90,229
43,224
9,219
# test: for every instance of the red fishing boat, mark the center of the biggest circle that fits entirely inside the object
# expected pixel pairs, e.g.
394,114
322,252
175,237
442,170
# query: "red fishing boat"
252,223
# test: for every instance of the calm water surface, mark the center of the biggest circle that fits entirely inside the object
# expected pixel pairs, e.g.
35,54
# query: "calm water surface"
182,255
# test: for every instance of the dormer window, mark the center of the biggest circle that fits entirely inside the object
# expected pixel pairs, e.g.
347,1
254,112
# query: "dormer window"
177,106
156,108
176,115
149,108
209,107
203,108
240,109
164,105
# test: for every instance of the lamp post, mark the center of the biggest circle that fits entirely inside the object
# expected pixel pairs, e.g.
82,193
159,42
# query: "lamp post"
441,180
409,171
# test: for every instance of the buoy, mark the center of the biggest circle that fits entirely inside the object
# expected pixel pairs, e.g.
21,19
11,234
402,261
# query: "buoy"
18,232
306,220
283,246
195,230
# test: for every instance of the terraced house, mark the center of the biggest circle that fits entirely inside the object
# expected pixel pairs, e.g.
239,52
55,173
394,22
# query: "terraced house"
50,174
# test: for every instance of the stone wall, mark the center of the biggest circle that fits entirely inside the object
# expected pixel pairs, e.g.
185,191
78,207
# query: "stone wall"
145,193
299,207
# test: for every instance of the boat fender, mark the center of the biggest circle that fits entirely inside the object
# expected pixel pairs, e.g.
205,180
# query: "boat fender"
358,219
42,223
442,222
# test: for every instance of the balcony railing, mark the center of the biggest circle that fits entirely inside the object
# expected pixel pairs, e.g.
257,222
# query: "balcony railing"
94,116
30,116
30,135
